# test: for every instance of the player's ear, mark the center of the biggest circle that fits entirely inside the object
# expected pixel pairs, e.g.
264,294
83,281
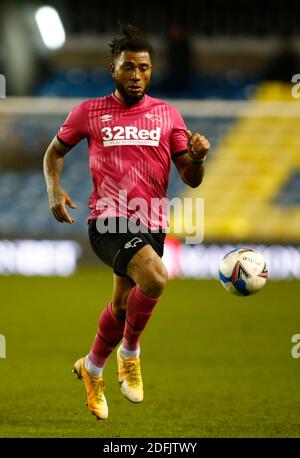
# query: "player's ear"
112,69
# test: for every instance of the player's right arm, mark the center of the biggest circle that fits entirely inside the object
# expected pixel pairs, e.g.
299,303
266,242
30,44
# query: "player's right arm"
53,165
72,131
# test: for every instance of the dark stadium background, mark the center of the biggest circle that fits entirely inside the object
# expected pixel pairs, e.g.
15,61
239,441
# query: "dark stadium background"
228,67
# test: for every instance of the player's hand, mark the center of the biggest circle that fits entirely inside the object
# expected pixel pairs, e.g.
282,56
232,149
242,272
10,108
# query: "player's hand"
198,146
58,199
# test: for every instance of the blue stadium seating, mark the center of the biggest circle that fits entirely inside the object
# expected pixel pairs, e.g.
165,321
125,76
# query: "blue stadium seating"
78,82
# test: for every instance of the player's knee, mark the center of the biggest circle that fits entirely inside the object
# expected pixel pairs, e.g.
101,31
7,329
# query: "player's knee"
154,281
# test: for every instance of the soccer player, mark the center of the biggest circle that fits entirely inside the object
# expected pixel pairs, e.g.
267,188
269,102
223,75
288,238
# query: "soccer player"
132,138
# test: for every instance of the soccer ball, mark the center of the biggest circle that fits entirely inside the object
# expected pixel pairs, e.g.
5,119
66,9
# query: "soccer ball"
243,271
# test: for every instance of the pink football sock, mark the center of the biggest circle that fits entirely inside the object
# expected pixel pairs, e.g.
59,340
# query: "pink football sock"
139,309
107,338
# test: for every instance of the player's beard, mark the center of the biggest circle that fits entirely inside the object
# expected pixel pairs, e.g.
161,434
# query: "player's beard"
130,99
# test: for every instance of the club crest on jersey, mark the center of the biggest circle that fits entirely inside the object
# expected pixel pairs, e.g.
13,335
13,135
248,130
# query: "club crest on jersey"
130,135
153,117
132,243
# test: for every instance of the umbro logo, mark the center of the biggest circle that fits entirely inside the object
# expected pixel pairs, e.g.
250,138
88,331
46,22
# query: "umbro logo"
153,117
106,117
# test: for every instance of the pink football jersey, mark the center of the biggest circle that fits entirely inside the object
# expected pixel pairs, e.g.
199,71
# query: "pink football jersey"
130,149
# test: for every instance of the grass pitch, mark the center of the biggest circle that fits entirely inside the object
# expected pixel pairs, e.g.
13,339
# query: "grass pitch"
214,365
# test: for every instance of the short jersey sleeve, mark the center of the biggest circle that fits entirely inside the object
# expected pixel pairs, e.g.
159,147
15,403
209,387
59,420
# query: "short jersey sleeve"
178,140
73,128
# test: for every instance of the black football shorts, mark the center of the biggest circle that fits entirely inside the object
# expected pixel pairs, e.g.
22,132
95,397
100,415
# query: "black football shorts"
116,249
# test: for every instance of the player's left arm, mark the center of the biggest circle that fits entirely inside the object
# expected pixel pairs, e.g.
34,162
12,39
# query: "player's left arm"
190,162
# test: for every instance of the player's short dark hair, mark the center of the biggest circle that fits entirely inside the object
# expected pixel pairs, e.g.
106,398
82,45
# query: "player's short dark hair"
133,40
